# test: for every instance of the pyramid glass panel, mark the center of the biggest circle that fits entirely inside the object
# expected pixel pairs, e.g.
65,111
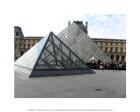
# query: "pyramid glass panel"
80,43
56,55
49,56
27,62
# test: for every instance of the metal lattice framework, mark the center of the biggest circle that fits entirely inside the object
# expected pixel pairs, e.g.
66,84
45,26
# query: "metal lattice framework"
79,42
56,55
50,56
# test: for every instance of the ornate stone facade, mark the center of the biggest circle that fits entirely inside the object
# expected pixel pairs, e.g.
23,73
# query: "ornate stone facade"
23,44
115,48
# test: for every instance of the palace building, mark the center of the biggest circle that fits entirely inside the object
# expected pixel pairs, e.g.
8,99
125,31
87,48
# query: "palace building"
23,44
114,48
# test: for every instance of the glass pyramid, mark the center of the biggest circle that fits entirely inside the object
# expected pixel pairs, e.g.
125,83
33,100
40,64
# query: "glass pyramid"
80,43
49,54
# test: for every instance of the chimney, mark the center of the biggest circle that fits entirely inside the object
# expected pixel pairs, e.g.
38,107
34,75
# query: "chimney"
68,23
87,26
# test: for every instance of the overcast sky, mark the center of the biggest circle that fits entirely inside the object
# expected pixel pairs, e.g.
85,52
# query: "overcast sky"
39,17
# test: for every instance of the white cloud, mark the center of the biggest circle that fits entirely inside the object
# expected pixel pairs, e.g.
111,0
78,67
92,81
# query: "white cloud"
108,26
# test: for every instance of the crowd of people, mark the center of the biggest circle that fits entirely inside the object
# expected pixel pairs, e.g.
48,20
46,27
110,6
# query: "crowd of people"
108,66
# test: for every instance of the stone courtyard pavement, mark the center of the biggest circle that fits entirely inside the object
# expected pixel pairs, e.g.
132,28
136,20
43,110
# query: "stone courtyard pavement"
102,84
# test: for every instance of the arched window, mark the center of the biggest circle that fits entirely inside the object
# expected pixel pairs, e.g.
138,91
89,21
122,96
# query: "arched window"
112,57
22,53
123,58
117,58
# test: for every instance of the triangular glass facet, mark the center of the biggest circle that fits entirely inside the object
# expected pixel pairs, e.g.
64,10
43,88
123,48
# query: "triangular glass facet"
56,55
80,43
49,56
27,62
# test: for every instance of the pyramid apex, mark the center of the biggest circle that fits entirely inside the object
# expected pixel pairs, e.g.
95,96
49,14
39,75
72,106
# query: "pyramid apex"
83,26
51,33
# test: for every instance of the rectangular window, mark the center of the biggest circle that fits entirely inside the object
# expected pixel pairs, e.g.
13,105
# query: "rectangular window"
124,50
113,49
119,44
119,49
108,49
24,45
109,44
114,44
116,49
26,41
31,41
124,45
